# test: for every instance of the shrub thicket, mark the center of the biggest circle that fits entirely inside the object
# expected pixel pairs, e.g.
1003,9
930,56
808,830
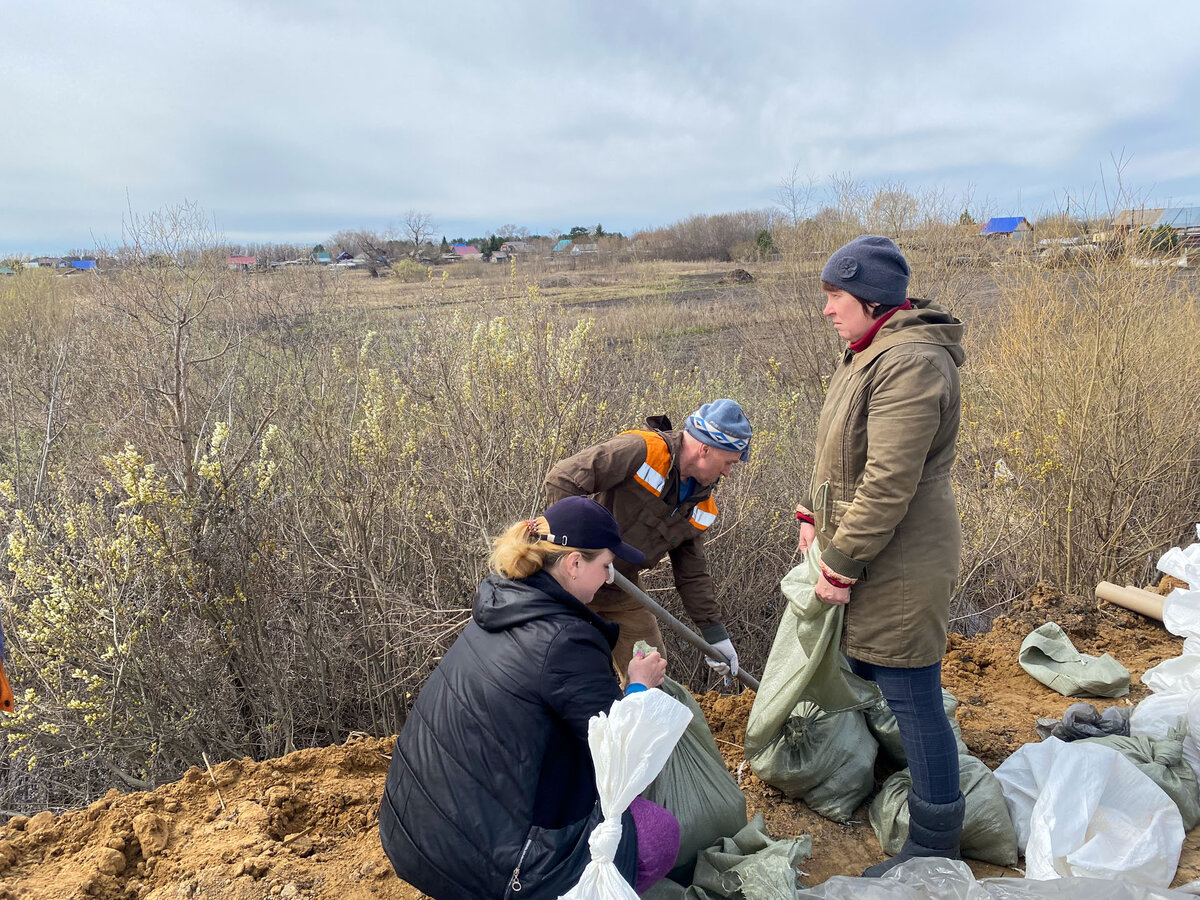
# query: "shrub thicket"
246,514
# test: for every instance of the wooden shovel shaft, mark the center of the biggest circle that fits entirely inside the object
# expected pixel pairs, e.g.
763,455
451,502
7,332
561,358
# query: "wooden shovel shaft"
679,628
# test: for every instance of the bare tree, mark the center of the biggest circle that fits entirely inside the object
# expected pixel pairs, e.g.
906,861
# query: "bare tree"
795,196
418,228
508,231
361,240
892,209
173,302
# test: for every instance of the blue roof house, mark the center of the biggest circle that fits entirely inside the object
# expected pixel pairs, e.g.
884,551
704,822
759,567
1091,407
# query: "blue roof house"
1015,228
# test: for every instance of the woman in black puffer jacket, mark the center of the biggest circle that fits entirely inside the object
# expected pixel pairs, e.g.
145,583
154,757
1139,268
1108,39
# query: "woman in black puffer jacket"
491,791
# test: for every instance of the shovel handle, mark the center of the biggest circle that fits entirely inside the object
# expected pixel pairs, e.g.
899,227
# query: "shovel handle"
679,628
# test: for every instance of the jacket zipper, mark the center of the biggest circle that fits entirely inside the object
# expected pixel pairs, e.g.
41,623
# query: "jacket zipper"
514,885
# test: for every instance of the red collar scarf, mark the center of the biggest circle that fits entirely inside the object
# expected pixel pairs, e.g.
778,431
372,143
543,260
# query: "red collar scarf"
865,341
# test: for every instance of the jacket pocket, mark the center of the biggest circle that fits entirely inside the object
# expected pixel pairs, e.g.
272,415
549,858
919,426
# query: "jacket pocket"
515,886
820,505
552,859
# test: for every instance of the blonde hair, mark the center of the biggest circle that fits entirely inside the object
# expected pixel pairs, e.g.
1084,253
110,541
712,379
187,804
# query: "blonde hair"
519,552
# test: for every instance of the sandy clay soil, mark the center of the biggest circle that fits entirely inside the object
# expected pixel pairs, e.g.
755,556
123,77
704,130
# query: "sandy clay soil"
304,826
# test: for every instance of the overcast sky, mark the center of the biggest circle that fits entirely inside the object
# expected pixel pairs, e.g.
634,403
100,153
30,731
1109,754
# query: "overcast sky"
288,121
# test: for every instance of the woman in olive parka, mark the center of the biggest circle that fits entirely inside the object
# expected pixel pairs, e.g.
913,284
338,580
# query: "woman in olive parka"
881,508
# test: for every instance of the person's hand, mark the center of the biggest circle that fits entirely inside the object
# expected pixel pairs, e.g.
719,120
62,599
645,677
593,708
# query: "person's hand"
648,669
727,667
808,534
831,594
808,531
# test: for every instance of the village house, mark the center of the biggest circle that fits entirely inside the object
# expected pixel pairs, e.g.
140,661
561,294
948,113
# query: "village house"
1137,219
1015,228
1185,220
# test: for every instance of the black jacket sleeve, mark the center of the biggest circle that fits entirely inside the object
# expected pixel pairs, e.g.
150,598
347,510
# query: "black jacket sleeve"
578,676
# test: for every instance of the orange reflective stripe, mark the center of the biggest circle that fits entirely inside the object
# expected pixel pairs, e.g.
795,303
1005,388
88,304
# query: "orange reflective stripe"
704,514
6,694
652,475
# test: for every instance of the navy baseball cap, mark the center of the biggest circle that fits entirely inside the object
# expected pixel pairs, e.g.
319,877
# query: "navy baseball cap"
584,524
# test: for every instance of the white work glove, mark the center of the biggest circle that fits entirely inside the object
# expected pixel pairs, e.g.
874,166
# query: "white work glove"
728,669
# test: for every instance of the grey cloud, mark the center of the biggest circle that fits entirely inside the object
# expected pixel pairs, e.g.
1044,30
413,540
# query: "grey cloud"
280,116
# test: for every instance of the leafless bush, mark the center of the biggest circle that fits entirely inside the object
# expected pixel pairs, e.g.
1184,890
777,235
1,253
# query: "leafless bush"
1082,441
704,237
247,513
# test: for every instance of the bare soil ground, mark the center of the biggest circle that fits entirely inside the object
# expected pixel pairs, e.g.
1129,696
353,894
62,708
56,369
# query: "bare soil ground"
304,825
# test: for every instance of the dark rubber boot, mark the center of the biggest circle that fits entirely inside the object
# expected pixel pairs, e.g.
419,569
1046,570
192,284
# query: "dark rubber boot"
934,829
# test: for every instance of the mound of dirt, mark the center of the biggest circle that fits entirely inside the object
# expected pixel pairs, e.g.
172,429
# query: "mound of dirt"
304,825
737,276
301,826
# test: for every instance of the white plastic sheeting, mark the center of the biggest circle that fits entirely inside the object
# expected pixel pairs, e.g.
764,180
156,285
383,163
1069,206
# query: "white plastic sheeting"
1082,809
1181,616
943,879
1175,682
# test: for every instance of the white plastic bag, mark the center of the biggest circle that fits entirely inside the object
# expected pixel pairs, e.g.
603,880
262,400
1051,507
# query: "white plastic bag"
1181,608
1159,714
629,745
1183,563
1181,614
1177,675
1082,809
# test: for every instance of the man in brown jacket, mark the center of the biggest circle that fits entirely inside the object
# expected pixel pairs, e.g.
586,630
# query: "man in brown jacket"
658,484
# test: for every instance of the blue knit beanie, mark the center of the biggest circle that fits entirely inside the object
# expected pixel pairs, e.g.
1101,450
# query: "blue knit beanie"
723,425
872,268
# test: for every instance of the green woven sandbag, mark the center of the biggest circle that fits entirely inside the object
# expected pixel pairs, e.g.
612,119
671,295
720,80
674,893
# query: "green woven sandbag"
747,866
825,759
1049,656
988,832
1161,759
697,788
806,734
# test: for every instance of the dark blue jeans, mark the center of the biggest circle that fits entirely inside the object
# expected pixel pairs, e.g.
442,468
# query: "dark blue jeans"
915,698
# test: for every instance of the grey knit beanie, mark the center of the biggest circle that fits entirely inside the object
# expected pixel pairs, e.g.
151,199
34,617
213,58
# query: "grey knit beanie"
872,268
